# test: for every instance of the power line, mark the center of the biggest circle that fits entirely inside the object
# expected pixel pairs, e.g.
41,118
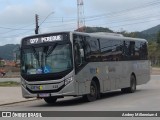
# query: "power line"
20,28
155,3
14,28
131,19
135,23
111,14
97,17
101,24
131,23
16,35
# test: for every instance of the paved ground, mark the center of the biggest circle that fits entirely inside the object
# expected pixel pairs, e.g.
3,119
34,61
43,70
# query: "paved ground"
146,98
155,71
11,95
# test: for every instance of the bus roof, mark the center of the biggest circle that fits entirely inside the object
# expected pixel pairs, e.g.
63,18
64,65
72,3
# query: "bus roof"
97,34
110,36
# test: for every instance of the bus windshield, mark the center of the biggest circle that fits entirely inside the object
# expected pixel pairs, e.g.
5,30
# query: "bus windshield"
46,59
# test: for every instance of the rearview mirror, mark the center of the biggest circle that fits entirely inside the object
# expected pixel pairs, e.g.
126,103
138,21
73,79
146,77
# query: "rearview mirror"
81,52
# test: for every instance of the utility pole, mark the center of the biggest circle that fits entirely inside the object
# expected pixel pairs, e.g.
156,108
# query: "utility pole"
37,26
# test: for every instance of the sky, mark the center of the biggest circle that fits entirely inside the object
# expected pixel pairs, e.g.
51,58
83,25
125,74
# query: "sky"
17,17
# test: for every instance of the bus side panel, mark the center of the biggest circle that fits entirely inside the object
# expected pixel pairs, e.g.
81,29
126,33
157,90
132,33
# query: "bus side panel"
142,68
112,75
93,70
105,72
83,79
123,70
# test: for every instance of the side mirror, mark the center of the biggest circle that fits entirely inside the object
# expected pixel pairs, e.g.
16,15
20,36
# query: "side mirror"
81,52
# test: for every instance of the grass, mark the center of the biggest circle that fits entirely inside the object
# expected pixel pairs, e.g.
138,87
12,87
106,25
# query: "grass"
9,84
156,66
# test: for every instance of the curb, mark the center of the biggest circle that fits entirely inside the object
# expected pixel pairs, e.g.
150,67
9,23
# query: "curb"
18,102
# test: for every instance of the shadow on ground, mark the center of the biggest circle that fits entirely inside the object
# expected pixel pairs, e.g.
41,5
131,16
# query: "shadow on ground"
79,100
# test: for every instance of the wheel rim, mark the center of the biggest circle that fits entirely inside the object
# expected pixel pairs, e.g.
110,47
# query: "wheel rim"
93,91
133,84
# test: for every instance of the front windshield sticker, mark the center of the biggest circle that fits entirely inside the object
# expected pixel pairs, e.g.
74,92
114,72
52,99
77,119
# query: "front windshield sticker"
39,71
31,71
47,69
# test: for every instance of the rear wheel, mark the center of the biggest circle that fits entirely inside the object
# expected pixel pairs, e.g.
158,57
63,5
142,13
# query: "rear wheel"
132,87
50,100
133,84
94,92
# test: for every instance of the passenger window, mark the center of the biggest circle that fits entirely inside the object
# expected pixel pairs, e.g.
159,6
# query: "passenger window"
78,51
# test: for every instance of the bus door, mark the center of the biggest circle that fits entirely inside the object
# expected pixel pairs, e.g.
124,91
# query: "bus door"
80,71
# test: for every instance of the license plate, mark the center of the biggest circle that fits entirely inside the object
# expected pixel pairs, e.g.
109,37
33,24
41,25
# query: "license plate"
44,95
37,87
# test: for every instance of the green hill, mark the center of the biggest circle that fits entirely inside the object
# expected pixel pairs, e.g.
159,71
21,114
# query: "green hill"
6,51
151,31
97,29
149,34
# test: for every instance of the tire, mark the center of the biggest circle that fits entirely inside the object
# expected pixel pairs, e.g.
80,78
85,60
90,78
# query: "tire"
94,93
50,100
133,84
124,90
132,87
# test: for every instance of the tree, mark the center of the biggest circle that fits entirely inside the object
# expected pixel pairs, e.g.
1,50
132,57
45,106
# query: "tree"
158,38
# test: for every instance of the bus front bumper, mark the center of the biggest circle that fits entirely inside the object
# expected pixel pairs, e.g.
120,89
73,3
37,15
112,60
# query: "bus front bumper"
67,90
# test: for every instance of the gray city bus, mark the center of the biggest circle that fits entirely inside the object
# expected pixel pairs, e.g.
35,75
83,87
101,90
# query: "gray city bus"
55,65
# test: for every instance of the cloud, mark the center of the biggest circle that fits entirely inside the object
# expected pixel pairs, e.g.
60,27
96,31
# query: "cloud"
18,13
113,5
121,12
15,40
24,14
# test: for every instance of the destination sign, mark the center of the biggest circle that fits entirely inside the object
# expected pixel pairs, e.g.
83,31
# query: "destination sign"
44,39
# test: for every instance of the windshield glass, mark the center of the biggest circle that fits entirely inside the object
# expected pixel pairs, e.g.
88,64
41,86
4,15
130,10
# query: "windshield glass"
46,59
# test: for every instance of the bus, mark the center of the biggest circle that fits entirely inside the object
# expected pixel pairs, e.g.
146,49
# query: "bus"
55,65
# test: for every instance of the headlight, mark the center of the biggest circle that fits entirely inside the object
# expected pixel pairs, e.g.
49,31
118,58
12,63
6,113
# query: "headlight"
23,82
67,81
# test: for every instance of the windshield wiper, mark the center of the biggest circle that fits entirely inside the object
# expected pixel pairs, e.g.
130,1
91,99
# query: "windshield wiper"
50,50
35,55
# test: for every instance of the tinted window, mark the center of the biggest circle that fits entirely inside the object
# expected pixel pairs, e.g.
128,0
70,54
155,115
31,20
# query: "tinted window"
92,50
111,50
143,51
129,50
135,50
114,50
78,44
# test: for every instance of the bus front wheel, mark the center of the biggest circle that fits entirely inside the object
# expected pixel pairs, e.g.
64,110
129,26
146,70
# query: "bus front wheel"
50,100
94,92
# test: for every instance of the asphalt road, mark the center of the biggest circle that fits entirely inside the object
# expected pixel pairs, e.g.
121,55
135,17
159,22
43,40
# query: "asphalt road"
146,98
